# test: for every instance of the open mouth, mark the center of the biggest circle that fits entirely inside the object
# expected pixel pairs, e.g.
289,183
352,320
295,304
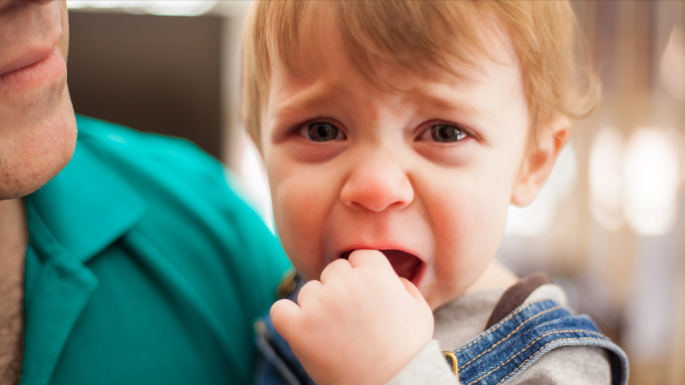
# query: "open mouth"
405,265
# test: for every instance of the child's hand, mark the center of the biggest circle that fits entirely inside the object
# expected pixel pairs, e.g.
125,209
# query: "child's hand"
360,325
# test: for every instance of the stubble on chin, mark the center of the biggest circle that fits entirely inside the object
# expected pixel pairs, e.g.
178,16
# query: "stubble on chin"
37,150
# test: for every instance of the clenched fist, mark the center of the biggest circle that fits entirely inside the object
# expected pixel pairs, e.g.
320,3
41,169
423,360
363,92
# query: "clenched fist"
361,324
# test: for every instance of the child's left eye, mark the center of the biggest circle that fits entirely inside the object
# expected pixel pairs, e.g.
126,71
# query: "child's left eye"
443,133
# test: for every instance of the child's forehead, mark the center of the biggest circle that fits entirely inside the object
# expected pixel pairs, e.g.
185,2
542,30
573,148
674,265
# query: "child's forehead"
384,48
328,79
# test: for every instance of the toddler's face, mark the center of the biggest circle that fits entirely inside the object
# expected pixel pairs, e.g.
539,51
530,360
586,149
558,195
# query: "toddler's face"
427,173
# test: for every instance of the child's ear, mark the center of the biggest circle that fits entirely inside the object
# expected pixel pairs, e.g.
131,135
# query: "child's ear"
539,161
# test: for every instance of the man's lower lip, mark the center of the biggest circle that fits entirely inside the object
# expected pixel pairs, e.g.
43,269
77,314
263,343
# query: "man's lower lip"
34,75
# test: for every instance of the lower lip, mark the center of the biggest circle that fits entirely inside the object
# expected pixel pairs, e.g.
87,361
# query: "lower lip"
34,75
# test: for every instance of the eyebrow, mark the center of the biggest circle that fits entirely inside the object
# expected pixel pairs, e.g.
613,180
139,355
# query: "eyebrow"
311,99
448,105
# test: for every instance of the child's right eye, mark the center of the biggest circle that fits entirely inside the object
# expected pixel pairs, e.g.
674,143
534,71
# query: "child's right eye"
444,133
321,132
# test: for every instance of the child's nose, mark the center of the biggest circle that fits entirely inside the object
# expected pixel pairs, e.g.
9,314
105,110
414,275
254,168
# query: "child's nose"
377,186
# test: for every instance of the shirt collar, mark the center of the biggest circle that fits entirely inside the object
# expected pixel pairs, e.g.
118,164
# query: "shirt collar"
87,206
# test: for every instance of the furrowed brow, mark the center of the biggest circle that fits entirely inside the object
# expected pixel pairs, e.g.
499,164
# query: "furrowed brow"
312,98
447,105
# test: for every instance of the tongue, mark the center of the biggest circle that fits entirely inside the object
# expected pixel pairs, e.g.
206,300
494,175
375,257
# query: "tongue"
405,264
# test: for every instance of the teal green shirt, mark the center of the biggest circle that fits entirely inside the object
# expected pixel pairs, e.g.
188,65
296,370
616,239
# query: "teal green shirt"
143,267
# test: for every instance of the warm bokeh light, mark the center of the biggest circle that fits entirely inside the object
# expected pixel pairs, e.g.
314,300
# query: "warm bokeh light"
606,178
652,178
672,68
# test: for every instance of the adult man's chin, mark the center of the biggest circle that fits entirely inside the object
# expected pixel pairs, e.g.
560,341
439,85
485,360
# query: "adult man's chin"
37,122
37,150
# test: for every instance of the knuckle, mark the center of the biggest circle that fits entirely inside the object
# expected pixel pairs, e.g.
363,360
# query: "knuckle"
308,290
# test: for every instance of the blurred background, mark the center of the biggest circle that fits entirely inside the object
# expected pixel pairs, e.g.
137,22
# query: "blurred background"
609,225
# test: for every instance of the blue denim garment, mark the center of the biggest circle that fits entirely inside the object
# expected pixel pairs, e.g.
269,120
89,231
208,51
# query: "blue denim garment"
512,345
494,357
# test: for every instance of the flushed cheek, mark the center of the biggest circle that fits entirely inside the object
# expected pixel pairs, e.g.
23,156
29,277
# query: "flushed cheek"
467,229
299,211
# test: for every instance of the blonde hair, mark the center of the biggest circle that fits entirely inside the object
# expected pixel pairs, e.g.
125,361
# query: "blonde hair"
429,38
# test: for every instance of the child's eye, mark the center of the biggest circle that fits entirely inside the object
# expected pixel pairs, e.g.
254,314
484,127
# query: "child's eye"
444,133
321,132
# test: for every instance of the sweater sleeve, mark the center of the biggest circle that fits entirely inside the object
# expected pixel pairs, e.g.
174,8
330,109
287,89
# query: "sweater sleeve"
571,365
427,367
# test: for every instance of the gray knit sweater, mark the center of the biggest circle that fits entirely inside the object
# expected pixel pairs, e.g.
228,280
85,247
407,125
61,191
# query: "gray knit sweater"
465,317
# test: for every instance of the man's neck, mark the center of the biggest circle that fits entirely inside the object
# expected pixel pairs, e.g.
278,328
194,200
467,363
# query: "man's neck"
13,243
13,232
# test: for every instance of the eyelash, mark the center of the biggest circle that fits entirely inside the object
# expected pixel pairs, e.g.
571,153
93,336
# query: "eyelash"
322,119
318,119
465,132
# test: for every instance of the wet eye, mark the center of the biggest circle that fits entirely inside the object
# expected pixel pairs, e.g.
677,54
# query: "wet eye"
444,133
321,132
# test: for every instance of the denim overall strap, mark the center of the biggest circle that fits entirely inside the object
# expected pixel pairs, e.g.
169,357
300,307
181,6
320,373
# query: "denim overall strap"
512,345
276,363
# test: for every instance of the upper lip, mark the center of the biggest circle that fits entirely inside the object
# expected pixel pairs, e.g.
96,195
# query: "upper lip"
27,51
